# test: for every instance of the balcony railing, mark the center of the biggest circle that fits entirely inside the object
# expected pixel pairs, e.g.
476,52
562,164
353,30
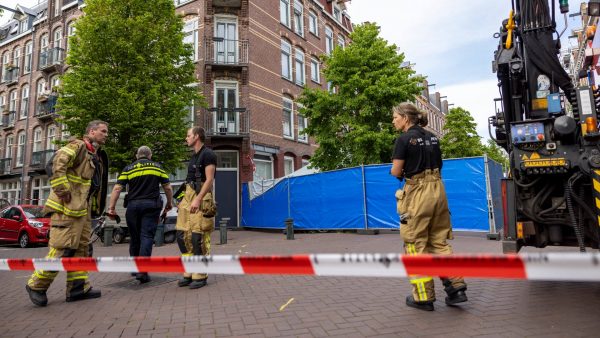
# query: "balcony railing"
221,51
40,158
227,121
5,166
11,75
50,58
45,109
8,120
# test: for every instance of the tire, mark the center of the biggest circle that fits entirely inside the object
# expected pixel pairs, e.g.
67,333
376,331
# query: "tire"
24,240
170,237
118,236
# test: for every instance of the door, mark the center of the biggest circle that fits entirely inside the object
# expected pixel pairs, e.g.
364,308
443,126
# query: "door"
227,121
4,214
227,187
226,41
12,226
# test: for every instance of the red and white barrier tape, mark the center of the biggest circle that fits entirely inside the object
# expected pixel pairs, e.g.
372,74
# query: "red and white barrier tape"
539,266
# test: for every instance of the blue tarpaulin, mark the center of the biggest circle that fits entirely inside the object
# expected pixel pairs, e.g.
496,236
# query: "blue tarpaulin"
363,198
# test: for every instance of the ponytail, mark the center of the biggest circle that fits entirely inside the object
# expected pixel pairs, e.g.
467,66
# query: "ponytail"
414,115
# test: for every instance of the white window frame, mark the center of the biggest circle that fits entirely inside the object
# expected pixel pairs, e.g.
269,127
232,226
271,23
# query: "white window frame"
298,18
44,43
54,82
2,103
315,72
70,32
41,88
305,162
65,134
288,109
51,137
302,124
190,29
12,103
263,161
23,24
57,38
10,141
300,68
28,57
17,57
24,111
337,12
288,165
286,55
313,23
37,140
285,12
20,149
341,41
42,186
328,40
57,7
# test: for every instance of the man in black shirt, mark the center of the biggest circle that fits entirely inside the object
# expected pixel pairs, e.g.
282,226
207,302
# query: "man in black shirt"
422,204
196,211
143,178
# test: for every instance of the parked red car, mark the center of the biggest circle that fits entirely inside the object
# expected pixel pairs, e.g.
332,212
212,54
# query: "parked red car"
24,224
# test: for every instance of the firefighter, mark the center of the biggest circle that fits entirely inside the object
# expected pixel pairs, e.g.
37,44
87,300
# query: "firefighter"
79,183
143,178
196,209
422,204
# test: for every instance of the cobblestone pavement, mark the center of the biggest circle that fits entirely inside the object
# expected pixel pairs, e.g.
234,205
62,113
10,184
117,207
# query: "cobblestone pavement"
318,306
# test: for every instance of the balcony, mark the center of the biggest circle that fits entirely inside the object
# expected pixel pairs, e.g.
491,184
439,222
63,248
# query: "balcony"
45,108
11,75
224,52
8,120
51,59
40,158
5,166
227,3
228,122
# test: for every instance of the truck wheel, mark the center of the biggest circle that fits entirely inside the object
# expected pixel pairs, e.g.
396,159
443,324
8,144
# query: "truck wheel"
170,237
24,240
118,236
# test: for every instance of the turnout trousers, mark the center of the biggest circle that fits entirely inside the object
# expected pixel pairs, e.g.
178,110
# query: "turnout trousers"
69,237
193,231
425,228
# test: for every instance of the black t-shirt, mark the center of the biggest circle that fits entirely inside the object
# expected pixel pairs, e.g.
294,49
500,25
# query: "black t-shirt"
419,149
202,159
144,178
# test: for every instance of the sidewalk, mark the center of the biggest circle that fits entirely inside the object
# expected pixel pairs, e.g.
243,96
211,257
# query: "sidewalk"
317,306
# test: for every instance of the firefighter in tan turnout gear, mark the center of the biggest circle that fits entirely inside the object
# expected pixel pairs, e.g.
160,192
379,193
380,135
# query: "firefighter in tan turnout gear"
196,211
79,185
422,204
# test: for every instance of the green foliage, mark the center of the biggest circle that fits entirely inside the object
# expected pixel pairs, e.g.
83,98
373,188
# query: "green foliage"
496,153
130,68
353,126
461,139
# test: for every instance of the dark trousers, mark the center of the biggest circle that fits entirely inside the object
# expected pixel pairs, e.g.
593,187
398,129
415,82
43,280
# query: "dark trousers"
142,219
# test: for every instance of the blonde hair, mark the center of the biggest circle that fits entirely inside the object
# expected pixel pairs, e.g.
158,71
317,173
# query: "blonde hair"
414,115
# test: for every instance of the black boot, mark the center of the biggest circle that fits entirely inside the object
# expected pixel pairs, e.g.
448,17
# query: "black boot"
455,295
425,306
142,278
85,295
185,281
197,284
37,297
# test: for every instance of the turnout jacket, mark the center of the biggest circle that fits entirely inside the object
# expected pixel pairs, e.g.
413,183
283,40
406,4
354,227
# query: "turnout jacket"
78,169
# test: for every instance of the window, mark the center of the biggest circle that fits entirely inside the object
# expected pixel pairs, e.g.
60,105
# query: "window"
58,33
41,88
337,13
284,12
300,70
54,82
65,133
286,60
2,103
288,165
302,124
24,101
287,118
305,162
17,57
20,148
11,191
314,70
70,33
37,139
28,58
57,7
51,138
331,88
264,167
12,104
298,18
313,23
40,191
44,43
190,35
328,40
23,24
341,41
10,140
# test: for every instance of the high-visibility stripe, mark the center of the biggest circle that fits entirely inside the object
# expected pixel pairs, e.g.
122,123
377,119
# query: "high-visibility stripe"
596,184
597,202
78,179
61,208
147,173
69,151
142,172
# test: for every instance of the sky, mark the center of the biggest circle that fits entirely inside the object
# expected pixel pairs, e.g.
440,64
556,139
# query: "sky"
450,42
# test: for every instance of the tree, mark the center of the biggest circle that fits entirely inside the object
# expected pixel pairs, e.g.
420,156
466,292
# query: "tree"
461,139
496,153
130,68
353,124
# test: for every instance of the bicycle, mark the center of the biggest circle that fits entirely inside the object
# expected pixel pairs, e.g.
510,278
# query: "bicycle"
98,225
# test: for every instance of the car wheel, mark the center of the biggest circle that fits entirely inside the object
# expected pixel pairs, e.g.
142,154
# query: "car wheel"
118,236
24,240
170,237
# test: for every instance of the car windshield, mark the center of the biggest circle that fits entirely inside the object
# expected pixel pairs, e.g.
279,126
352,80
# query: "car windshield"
33,212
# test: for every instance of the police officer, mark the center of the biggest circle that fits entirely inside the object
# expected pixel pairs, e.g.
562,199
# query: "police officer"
79,183
422,204
143,178
196,211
